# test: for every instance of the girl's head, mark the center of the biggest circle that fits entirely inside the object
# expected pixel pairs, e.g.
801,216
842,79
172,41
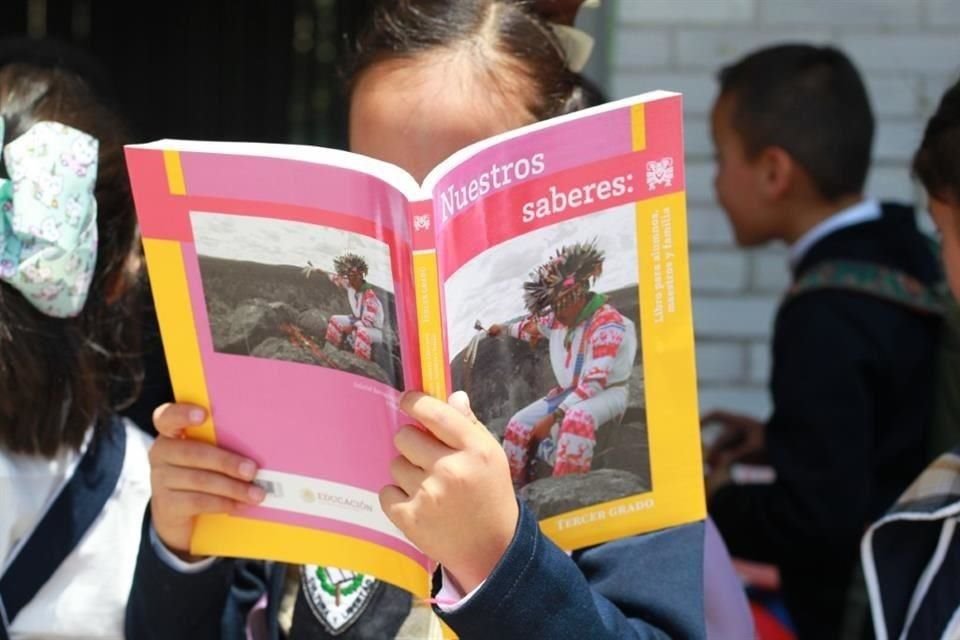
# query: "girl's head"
937,165
431,76
59,374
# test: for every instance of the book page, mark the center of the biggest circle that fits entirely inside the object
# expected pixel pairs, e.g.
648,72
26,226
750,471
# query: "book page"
596,411
284,292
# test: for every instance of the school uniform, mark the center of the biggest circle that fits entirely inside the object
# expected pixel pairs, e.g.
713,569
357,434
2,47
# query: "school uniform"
85,596
851,387
648,586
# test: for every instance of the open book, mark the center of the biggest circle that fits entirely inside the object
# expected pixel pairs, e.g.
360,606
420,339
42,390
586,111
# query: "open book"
300,290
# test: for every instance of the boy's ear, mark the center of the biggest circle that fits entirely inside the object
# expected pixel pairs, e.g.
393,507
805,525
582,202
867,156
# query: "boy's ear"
778,171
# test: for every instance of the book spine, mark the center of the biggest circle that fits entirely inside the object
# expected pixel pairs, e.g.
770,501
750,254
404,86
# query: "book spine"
427,289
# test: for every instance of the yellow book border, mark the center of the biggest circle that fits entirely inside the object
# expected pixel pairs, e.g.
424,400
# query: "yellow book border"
426,277
235,536
670,383
168,280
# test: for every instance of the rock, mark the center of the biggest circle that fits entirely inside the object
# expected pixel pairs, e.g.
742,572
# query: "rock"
246,326
636,389
346,361
497,427
283,349
553,496
386,355
624,445
506,376
313,322
249,303
285,313
232,282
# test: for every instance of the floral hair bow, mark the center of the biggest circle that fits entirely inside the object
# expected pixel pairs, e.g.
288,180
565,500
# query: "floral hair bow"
48,217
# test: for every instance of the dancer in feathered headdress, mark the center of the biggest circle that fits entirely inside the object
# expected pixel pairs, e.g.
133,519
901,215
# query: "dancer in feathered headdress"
564,279
364,326
592,349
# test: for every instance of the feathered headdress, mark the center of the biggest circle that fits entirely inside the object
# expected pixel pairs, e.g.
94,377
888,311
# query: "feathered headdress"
350,263
574,267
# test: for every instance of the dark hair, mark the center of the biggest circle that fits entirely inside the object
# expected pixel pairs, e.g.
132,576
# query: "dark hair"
59,375
516,38
937,161
51,53
811,102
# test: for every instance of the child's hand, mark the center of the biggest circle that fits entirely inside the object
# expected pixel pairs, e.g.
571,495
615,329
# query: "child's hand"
189,478
452,495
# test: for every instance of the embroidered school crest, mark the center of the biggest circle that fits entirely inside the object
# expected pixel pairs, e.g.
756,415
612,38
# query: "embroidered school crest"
337,597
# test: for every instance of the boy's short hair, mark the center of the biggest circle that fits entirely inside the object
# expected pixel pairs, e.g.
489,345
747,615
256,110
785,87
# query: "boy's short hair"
937,161
811,102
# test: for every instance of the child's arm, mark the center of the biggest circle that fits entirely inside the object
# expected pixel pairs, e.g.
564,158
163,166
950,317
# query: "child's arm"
529,329
166,602
174,595
641,587
189,478
454,499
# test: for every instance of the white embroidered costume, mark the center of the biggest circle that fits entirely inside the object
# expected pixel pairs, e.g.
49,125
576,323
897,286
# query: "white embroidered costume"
367,318
592,367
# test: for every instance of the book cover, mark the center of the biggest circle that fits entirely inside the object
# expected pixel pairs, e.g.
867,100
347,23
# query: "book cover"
301,290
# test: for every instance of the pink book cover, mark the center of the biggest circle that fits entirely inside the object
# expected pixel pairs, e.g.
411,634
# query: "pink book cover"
301,290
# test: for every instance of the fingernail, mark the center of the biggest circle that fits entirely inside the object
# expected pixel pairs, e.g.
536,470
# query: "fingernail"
256,494
197,416
247,469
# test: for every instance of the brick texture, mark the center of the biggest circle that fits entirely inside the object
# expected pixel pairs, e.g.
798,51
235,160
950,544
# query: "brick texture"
908,51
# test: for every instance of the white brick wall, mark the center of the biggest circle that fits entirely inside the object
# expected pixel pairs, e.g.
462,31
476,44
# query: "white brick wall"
908,50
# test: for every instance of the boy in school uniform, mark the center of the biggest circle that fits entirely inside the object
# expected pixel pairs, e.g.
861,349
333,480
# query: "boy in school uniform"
851,373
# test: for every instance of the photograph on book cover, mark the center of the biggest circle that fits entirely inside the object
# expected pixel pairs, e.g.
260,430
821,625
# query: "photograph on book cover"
289,290
545,337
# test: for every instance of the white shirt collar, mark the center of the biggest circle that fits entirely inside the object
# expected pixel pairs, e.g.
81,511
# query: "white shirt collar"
864,211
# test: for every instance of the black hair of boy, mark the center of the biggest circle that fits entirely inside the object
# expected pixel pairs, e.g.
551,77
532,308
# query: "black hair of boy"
809,101
937,161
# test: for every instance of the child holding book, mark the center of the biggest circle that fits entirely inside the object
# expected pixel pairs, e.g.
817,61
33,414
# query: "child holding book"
74,476
852,373
508,70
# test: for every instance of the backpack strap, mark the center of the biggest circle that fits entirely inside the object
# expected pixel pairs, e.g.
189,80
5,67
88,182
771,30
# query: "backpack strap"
66,521
870,279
